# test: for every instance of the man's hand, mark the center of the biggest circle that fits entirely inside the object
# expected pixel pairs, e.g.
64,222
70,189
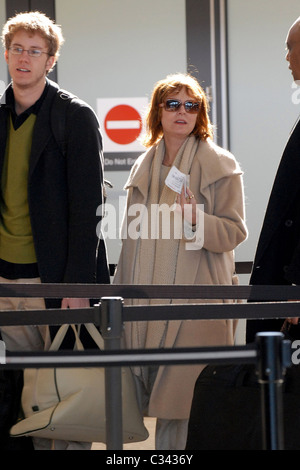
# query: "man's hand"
293,321
75,303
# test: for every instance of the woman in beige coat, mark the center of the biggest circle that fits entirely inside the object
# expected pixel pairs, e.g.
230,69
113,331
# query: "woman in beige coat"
197,187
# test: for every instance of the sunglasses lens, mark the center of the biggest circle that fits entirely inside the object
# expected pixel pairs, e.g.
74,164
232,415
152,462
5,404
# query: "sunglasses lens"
191,107
172,105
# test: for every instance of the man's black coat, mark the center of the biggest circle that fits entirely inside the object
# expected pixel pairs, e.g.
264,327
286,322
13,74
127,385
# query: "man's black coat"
277,259
64,193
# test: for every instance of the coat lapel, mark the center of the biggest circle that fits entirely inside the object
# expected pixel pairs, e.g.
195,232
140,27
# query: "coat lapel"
3,133
4,114
140,178
42,130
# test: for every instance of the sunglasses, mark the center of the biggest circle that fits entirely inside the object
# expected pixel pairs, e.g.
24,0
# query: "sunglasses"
175,105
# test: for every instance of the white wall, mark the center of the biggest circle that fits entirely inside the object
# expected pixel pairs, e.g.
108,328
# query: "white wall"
260,97
119,48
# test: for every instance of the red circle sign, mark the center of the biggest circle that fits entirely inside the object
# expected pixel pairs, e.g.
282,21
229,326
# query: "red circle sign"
123,124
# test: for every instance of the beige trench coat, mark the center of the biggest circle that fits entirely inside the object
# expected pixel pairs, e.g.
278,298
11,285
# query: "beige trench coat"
216,182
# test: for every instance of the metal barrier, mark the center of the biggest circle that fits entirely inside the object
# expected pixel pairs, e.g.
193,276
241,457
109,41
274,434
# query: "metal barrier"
271,353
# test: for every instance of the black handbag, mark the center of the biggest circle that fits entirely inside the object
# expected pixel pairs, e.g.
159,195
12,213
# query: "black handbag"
226,409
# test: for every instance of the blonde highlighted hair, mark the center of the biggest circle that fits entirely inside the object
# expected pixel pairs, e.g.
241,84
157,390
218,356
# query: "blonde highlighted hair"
173,84
34,22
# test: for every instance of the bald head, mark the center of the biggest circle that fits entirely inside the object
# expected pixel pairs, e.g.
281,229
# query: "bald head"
293,49
296,24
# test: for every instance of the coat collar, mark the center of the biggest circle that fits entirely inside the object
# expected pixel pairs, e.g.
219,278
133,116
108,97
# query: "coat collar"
43,129
140,174
4,113
215,163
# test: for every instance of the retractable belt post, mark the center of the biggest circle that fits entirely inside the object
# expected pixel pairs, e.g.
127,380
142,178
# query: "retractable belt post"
111,326
273,357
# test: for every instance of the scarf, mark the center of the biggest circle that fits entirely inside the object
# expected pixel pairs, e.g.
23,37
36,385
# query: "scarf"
156,258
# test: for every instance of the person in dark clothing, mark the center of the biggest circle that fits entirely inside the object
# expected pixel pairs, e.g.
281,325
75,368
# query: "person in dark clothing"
49,227
277,258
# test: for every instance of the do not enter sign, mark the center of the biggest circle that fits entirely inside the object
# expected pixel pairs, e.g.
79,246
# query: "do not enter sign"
123,124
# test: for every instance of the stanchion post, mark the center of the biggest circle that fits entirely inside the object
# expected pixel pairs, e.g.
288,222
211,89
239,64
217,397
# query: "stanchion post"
111,326
272,361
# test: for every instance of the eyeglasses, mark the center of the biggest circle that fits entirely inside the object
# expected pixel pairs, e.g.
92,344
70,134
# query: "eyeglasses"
31,52
175,105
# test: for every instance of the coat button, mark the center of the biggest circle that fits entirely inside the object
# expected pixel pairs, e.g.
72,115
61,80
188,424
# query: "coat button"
288,223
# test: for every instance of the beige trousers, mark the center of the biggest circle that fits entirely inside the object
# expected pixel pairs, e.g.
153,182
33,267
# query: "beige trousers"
23,338
170,434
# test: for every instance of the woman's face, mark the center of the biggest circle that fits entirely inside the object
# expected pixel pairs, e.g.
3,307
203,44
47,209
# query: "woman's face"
179,123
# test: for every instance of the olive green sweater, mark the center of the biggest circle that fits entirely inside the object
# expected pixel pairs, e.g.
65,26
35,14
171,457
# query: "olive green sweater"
16,240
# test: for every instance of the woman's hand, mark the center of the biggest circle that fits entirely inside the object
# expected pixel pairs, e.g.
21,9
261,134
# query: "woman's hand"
188,206
75,303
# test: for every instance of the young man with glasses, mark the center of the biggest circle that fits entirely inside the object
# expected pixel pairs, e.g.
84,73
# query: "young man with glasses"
48,200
